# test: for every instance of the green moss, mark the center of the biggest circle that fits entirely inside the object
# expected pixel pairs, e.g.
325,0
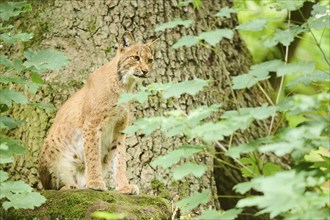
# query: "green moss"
80,204
91,26
160,188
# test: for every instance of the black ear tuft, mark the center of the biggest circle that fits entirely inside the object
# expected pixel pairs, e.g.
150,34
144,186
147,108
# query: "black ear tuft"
127,39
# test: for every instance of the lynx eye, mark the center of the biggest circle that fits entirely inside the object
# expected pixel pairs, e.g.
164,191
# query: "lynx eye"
136,58
150,60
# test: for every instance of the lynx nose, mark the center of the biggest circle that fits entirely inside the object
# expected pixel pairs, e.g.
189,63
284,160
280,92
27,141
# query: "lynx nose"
145,71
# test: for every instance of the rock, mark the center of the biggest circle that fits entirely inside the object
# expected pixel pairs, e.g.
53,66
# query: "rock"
80,204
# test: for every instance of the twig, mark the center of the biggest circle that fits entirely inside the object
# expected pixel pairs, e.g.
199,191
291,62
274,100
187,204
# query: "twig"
317,43
237,161
174,213
282,79
264,92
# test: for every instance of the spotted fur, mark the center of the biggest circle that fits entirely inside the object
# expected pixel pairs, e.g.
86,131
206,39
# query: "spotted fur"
86,137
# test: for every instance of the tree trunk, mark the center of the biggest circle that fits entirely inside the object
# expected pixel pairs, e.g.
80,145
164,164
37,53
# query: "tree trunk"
87,32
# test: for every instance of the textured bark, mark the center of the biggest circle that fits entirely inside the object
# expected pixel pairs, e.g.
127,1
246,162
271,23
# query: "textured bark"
87,32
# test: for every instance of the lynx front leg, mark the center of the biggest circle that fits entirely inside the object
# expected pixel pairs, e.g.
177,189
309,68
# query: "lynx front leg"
92,154
119,168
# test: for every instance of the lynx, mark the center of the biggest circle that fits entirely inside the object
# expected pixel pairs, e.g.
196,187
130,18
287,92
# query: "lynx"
86,135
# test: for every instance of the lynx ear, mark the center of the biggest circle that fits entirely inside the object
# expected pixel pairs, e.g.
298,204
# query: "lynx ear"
153,43
127,39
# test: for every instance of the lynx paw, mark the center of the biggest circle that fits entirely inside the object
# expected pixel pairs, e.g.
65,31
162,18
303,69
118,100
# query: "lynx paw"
129,189
96,185
70,186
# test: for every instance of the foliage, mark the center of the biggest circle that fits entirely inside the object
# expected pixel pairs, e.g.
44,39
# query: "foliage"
299,191
173,24
18,194
107,215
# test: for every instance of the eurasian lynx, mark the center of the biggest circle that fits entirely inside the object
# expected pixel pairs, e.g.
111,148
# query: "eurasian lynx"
87,131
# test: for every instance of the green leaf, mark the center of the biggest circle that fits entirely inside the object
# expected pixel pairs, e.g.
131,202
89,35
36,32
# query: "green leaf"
319,9
108,215
36,78
6,159
225,12
5,61
308,78
248,80
10,187
196,3
256,24
257,73
191,87
320,17
300,104
290,68
243,187
45,106
195,116
3,146
236,151
290,5
141,97
230,214
6,122
310,212
9,147
16,66
188,168
259,113
12,79
12,9
44,60
14,147
294,139
289,193
285,37
215,36
147,125
174,156
270,169
8,96
174,122
187,41
9,38
174,23
319,22
3,176
210,131
196,199
32,87
27,200
251,164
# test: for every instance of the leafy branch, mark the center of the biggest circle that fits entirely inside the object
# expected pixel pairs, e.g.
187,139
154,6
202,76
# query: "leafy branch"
299,139
18,194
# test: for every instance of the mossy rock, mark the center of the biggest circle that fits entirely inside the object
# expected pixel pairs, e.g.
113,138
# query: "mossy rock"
80,204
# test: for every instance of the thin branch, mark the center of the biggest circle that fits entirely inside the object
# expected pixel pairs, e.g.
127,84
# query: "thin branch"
229,196
319,46
230,141
264,92
282,79
316,41
237,161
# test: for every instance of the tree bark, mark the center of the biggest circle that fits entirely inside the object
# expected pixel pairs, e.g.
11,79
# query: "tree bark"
87,32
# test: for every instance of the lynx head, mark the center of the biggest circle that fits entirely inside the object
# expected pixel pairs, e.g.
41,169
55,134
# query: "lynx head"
135,59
